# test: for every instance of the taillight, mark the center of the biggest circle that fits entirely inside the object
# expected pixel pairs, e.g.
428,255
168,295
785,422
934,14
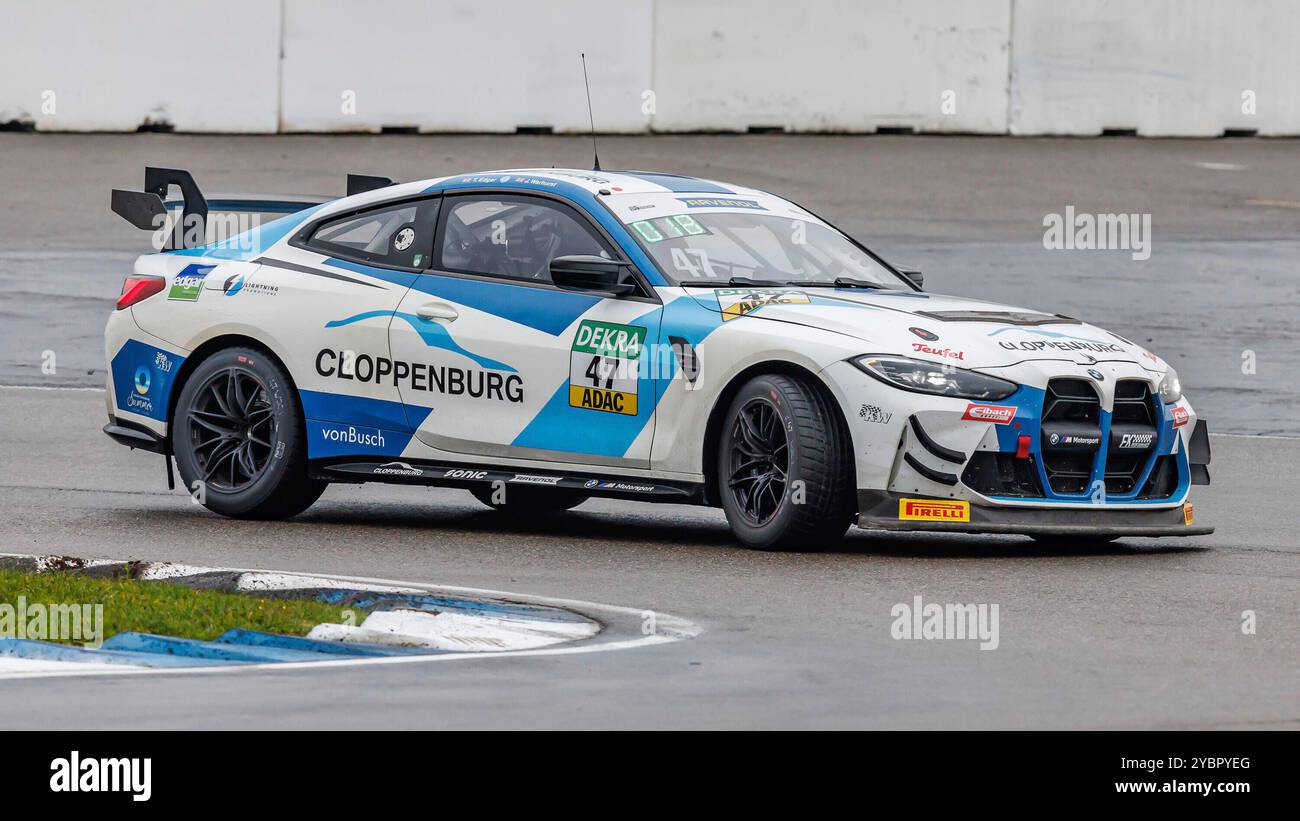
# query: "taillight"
136,288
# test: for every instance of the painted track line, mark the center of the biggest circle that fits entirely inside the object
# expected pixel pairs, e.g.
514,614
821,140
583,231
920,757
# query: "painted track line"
84,389
670,629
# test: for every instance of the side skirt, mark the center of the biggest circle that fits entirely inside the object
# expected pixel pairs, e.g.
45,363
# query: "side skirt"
448,474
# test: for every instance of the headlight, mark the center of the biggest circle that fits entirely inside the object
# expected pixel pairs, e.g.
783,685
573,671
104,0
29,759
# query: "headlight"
1171,390
933,377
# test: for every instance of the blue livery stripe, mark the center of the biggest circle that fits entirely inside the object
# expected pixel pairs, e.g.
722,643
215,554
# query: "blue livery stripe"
546,310
402,278
250,243
557,427
432,333
359,410
680,185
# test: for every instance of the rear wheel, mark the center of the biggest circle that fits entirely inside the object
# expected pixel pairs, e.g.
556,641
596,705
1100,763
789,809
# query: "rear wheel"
239,438
529,501
785,470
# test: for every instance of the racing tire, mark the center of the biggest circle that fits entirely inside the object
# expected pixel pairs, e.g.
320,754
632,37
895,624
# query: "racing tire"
238,430
785,466
530,501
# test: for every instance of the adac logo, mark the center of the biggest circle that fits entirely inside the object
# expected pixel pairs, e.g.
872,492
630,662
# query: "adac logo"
234,284
142,380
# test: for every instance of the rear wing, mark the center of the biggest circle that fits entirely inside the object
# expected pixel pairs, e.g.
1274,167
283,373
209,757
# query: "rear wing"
148,209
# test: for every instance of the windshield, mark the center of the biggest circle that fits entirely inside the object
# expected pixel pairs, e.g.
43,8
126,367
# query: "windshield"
715,247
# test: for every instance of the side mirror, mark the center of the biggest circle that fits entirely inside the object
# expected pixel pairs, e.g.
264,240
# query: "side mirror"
918,278
587,272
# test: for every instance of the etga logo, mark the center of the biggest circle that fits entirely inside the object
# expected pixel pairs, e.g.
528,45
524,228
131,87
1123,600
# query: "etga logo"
188,284
933,510
1180,417
128,775
997,414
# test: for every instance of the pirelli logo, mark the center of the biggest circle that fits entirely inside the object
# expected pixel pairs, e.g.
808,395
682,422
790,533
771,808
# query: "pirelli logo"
933,510
604,367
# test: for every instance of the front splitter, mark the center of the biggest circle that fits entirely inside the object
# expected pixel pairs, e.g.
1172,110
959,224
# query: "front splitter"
880,511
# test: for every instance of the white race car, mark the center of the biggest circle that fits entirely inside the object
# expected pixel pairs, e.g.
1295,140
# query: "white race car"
544,336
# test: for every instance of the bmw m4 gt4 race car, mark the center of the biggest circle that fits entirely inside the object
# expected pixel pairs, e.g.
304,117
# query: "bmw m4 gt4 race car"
543,336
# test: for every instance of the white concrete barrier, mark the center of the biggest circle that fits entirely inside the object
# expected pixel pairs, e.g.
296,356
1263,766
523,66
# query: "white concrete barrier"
84,65
464,65
1164,68
831,65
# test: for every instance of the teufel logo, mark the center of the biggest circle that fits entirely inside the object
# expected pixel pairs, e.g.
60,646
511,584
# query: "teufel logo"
997,414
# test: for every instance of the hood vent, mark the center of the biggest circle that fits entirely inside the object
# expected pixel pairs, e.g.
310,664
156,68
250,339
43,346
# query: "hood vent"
1000,317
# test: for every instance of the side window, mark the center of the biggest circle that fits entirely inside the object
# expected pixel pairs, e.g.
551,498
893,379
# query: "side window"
513,237
395,235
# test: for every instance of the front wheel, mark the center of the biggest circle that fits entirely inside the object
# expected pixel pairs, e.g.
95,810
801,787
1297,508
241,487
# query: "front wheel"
239,438
785,470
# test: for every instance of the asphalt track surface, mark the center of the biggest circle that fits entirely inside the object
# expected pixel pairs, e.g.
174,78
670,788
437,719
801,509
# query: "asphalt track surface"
1144,633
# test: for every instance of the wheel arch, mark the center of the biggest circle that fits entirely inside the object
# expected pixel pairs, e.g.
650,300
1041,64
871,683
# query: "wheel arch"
713,428
205,350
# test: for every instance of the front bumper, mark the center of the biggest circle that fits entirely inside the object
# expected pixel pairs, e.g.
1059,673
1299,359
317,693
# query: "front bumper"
882,510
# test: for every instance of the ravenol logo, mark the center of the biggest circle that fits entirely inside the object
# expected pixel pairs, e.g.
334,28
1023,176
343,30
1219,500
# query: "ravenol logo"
604,364
714,202
932,510
188,284
142,380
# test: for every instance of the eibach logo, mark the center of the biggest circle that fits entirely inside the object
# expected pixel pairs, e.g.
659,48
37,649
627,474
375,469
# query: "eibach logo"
997,414
1180,417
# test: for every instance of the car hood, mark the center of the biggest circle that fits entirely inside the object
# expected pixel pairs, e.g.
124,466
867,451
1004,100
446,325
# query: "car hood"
967,333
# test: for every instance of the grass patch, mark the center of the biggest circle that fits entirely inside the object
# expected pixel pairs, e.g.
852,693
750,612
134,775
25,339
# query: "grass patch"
169,609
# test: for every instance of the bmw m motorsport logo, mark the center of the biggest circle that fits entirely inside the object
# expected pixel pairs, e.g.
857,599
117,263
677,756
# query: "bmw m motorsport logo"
418,376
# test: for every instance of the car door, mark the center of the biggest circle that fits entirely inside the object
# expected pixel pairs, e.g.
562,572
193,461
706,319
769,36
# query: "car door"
340,280
503,363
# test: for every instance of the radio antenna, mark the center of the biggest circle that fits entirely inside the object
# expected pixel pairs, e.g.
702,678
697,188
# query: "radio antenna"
595,166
